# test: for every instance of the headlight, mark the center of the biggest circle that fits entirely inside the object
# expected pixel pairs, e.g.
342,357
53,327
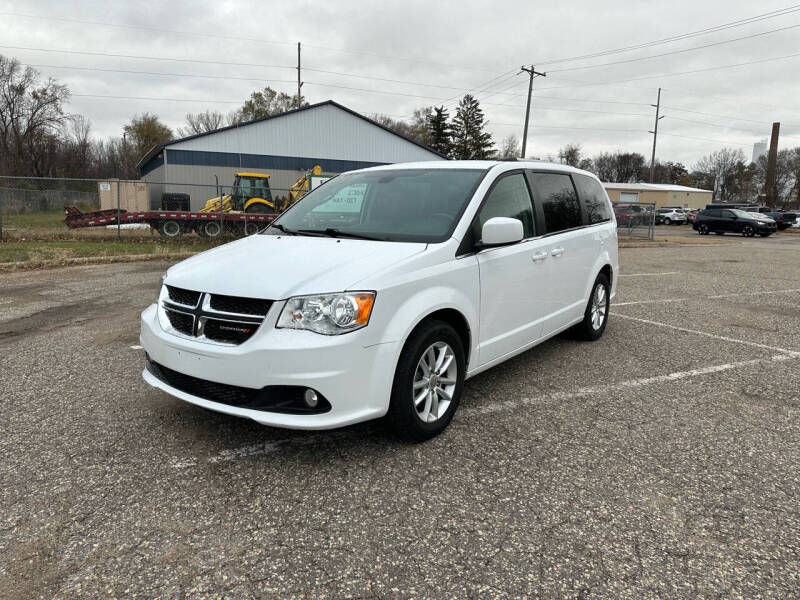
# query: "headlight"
328,314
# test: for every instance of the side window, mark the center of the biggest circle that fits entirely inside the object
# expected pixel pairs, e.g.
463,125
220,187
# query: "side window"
509,198
593,197
728,214
559,201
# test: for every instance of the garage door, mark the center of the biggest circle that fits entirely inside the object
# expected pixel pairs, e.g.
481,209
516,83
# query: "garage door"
628,196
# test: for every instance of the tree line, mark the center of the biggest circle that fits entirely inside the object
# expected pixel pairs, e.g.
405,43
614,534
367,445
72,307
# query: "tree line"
39,138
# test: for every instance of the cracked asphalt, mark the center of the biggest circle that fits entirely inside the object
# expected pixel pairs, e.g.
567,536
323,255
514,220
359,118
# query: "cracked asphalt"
662,461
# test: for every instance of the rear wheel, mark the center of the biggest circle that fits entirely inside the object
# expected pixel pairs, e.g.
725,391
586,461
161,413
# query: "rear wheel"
702,229
428,382
170,229
257,208
595,316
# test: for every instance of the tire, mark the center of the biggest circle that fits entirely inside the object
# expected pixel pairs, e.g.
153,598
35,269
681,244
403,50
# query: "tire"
258,208
210,229
702,229
405,416
253,227
748,231
667,221
592,327
170,229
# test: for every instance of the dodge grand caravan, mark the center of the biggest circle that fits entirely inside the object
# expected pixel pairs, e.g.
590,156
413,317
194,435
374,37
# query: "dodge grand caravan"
382,291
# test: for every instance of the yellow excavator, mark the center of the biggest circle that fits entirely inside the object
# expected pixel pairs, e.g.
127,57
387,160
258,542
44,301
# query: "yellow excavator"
251,194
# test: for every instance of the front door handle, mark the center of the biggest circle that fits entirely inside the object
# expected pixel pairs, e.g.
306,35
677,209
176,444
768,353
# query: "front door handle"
539,256
557,251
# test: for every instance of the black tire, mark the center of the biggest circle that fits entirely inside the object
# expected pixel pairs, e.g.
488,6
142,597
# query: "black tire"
403,417
258,208
253,227
586,330
170,229
667,221
702,229
210,230
748,231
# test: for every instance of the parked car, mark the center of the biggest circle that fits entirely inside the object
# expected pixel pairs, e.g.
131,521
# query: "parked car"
733,220
691,215
670,216
783,219
382,290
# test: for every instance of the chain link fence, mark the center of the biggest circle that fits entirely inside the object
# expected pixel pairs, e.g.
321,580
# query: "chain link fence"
35,207
635,219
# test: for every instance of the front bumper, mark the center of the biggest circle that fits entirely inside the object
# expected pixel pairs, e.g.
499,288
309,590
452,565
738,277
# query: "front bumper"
354,378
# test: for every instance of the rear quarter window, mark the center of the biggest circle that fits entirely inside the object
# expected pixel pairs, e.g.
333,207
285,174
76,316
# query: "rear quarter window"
593,198
559,202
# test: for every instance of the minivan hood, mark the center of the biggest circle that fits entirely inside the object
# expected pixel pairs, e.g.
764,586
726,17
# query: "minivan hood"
276,267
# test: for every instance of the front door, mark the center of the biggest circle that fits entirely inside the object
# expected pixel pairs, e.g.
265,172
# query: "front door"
514,298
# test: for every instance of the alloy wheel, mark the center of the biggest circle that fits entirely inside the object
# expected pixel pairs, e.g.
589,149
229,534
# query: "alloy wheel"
599,306
434,382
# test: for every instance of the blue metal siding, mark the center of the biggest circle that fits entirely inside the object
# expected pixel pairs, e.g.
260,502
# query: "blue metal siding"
262,161
152,164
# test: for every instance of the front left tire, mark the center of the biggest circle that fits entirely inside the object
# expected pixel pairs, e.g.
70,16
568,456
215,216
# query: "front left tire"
428,382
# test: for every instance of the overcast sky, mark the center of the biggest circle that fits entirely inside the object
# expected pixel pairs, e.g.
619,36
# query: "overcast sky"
450,46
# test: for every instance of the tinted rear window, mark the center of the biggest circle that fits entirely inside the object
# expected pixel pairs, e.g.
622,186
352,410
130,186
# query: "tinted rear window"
556,194
593,197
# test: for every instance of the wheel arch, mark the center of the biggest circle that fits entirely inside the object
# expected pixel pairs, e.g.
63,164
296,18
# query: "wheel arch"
456,320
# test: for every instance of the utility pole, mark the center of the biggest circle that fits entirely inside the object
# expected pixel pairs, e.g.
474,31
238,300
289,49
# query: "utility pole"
772,163
657,106
532,72
299,83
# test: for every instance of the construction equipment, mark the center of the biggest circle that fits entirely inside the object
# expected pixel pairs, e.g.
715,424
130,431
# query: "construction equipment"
250,194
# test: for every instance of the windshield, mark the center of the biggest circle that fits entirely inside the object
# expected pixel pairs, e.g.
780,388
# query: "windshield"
406,205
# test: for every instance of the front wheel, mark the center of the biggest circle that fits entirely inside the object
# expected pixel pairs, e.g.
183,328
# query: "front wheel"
428,382
595,316
748,231
667,221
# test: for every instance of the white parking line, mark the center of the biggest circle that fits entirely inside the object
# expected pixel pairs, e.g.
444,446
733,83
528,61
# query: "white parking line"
792,353
737,295
468,412
136,347
647,274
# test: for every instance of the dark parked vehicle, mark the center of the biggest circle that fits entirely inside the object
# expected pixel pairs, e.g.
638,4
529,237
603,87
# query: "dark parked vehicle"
733,220
783,219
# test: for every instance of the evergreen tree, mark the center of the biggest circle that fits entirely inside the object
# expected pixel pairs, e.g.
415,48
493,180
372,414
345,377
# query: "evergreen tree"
440,130
470,141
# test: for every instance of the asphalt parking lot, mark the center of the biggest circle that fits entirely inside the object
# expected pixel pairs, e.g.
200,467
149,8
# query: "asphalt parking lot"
661,461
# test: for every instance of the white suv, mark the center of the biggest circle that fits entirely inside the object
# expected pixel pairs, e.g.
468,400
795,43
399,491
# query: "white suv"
382,290
668,216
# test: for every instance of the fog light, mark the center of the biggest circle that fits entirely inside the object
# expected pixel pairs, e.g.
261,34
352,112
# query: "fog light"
311,398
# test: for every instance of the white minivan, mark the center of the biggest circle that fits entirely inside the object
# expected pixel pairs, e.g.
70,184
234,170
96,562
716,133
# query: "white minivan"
382,291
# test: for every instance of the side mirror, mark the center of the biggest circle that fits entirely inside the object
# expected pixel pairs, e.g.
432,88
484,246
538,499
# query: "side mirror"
499,231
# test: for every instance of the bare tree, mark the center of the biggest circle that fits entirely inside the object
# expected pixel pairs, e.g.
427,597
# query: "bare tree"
31,118
722,165
570,155
509,147
201,123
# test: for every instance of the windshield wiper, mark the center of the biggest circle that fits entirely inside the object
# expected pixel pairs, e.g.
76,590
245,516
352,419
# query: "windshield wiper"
333,232
280,227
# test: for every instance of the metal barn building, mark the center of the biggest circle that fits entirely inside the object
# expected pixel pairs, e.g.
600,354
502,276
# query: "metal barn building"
285,146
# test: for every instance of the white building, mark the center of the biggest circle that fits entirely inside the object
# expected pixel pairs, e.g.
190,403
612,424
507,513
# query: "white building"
759,150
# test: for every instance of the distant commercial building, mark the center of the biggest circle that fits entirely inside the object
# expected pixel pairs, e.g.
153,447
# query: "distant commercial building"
759,150
660,194
285,146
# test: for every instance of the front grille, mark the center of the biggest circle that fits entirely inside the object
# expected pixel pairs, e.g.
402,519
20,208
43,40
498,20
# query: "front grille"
242,306
286,399
180,321
181,296
229,332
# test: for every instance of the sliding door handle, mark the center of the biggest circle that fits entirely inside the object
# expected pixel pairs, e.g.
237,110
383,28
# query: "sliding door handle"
538,256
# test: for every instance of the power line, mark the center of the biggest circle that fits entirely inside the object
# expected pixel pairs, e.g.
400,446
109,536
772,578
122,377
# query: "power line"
682,51
707,114
216,35
689,137
709,123
700,32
